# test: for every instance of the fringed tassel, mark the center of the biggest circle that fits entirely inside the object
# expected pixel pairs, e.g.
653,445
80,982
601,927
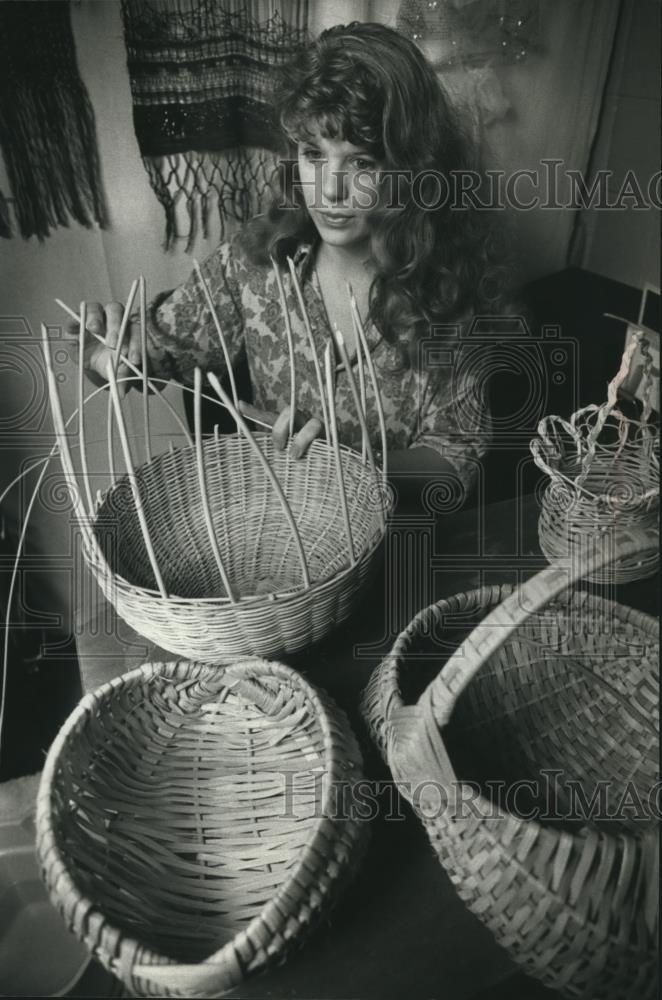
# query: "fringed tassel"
50,153
47,129
235,182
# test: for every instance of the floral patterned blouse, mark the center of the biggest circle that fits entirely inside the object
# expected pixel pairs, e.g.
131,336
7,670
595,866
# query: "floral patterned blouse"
440,407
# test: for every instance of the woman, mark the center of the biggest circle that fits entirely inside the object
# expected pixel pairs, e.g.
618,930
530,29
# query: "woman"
361,201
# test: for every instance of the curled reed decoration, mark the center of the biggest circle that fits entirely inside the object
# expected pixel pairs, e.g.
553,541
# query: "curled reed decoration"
228,546
554,692
190,822
604,473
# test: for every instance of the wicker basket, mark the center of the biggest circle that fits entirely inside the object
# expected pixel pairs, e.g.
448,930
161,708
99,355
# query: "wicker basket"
604,473
273,611
188,825
229,547
549,712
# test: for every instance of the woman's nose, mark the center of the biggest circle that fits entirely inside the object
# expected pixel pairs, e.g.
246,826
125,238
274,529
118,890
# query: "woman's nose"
334,183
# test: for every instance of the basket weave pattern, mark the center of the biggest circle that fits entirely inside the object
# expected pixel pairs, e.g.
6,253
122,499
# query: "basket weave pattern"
564,685
604,474
186,823
198,620
618,489
229,547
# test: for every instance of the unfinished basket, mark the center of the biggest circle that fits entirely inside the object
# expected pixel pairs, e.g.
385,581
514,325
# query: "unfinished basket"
532,759
604,474
272,609
190,824
229,547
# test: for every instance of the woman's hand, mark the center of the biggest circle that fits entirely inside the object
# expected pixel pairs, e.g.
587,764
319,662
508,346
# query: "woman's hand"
104,322
307,430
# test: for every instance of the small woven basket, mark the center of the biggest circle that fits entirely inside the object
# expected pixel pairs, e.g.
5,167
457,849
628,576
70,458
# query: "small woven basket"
188,824
532,759
604,473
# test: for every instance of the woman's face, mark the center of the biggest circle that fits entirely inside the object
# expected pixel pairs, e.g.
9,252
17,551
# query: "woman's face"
339,182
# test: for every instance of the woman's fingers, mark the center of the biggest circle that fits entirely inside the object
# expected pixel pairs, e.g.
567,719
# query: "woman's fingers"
303,440
114,312
95,319
101,323
130,346
94,324
281,429
134,350
102,329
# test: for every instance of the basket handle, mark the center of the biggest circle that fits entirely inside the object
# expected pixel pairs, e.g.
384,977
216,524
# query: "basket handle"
606,408
544,450
418,735
210,978
648,394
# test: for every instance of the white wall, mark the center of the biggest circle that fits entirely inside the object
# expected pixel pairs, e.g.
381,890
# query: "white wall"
556,95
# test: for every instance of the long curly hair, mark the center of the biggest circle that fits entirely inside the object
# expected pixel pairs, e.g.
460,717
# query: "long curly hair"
368,84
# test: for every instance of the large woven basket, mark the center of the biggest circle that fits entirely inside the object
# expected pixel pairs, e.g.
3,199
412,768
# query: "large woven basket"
188,822
229,547
531,756
604,473
273,611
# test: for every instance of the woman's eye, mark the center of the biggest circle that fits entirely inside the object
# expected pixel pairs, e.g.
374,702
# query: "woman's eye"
361,163
312,154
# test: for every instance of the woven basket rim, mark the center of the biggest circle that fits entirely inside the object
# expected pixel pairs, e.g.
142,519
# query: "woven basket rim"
390,696
248,600
557,462
276,597
47,844
494,595
564,482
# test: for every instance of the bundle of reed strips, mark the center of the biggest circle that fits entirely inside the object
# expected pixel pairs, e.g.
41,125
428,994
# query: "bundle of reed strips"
532,759
226,546
190,822
604,473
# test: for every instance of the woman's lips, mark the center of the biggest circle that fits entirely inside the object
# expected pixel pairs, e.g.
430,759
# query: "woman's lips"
335,218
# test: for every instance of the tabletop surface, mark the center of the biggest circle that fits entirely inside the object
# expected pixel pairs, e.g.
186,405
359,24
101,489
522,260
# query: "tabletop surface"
399,929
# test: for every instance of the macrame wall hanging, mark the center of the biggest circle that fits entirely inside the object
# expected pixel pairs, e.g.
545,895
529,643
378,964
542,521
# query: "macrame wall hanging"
47,131
202,80
476,37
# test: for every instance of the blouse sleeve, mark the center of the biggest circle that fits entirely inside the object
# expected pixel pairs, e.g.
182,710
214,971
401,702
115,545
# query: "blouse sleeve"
455,422
181,334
